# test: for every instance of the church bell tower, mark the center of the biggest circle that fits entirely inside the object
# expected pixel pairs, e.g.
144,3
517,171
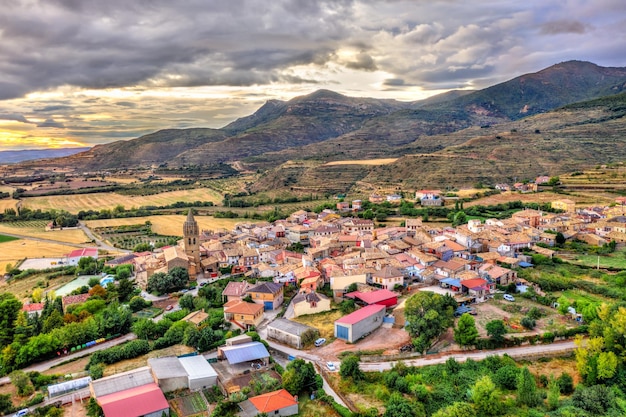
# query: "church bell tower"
191,238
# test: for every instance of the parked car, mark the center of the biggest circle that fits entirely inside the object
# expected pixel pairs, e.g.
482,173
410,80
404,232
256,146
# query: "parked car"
331,366
508,297
319,342
169,307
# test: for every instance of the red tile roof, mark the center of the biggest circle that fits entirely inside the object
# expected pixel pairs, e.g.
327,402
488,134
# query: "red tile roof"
241,307
473,283
272,401
134,402
373,297
361,314
32,307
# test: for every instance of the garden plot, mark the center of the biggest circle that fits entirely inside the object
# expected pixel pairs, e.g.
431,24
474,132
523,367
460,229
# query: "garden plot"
513,312
189,405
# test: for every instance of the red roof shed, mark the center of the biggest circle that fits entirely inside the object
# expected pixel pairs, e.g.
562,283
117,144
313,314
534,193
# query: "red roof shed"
134,402
382,297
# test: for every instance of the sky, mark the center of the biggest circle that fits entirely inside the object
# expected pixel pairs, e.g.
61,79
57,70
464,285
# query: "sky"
85,72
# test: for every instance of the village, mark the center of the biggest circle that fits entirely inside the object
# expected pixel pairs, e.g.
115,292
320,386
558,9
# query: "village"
285,280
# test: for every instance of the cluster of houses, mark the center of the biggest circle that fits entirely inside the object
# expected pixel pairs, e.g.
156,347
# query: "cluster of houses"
468,260
141,391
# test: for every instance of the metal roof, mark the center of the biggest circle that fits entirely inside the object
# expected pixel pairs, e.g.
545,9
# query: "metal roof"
169,367
289,326
197,367
451,281
122,381
361,314
245,352
133,402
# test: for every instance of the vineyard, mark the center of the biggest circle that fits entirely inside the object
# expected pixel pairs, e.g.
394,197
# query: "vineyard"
129,236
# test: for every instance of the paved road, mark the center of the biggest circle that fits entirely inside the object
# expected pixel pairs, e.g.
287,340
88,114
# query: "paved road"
522,351
288,351
44,366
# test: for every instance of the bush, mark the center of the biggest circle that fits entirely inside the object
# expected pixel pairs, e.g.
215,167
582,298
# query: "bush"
566,383
528,323
37,399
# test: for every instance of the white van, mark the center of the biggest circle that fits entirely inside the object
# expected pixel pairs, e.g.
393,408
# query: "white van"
22,412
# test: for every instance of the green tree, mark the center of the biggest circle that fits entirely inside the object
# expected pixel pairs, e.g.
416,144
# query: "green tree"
142,247
554,394
596,399
54,321
137,303
9,310
459,218
398,406
458,409
486,397
96,371
22,383
527,388
466,333
496,330
146,329
428,315
559,239
350,368
125,288
566,383
186,301
301,376
93,409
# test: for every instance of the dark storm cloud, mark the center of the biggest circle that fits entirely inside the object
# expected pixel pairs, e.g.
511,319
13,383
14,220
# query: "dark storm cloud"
119,43
50,123
14,117
563,26
54,108
394,82
364,62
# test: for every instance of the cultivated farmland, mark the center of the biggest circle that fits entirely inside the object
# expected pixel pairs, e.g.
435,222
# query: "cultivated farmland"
100,201
168,225
37,229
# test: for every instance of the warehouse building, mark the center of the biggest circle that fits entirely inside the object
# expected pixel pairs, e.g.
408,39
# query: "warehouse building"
360,323
168,373
290,332
200,373
191,372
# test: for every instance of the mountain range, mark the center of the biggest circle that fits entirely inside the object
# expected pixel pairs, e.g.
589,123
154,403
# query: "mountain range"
518,129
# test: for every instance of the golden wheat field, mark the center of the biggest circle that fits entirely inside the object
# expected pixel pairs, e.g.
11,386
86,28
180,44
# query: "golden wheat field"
7,203
16,250
169,225
100,201
382,161
37,229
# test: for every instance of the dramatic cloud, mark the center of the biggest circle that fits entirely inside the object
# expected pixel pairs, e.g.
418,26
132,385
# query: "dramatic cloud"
102,70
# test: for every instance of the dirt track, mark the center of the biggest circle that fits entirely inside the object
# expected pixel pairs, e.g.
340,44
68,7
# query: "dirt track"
382,338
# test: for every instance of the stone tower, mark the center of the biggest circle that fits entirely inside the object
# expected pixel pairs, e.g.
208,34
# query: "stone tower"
191,238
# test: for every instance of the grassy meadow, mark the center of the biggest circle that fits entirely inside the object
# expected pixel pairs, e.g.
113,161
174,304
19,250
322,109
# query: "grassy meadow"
101,201
616,260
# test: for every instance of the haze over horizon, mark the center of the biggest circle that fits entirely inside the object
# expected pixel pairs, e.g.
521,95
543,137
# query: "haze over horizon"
76,73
